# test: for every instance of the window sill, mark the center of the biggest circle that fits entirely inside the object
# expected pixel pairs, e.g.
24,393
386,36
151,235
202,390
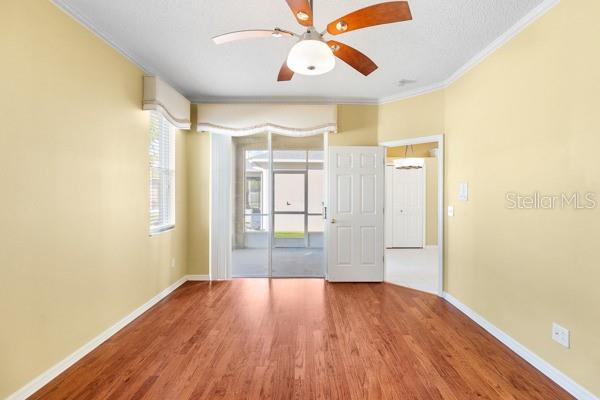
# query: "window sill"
163,229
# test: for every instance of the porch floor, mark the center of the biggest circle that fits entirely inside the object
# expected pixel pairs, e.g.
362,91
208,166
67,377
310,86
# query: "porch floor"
287,262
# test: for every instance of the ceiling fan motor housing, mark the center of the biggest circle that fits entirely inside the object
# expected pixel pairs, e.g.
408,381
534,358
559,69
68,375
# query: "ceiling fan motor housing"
311,55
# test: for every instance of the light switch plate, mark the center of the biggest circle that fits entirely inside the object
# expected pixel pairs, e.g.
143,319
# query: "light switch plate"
560,335
451,211
463,191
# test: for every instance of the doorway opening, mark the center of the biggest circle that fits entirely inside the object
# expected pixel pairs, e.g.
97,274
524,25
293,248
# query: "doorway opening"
278,203
414,213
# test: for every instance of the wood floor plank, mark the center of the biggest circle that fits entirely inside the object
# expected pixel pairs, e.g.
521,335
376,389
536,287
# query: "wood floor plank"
301,339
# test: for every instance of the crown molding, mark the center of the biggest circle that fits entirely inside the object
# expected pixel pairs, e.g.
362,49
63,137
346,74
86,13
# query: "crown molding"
68,9
306,100
514,30
500,41
65,7
412,93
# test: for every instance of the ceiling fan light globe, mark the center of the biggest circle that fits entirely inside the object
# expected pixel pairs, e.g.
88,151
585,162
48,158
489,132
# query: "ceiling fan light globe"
311,57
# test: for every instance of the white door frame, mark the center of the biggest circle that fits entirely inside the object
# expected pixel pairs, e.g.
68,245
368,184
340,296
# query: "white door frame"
439,139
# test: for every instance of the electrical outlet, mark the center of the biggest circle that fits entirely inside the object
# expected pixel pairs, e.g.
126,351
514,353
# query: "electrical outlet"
172,263
451,211
560,334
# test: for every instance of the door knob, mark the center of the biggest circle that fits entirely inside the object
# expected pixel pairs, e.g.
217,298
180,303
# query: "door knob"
333,220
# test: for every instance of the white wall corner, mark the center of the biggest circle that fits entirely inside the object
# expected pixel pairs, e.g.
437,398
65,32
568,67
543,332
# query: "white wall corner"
536,361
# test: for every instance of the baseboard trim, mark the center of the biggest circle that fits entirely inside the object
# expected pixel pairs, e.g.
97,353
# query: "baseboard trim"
51,373
536,361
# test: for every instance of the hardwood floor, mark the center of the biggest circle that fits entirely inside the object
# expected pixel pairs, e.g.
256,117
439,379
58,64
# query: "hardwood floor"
301,339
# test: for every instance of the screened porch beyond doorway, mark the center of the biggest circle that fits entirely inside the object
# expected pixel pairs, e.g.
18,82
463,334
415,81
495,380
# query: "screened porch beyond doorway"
278,217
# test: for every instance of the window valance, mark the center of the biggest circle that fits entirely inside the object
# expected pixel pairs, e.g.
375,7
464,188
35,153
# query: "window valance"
282,119
161,97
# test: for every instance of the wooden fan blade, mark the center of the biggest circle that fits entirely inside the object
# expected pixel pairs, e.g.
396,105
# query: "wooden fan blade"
378,14
251,34
352,57
285,73
302,11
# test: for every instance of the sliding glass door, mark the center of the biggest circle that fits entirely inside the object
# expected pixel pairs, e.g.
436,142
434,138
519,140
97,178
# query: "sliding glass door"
287,173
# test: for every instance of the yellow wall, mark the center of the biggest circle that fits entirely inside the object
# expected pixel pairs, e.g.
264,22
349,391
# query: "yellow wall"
198,173
524,120
357,126
417,150
413,117
75,252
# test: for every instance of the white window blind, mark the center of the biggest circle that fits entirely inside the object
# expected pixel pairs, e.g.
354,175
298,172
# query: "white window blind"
162,174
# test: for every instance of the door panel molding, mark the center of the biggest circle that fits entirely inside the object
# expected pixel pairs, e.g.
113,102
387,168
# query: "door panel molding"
355,223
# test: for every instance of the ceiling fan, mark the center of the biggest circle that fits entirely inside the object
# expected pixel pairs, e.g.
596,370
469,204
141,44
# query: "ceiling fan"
312,55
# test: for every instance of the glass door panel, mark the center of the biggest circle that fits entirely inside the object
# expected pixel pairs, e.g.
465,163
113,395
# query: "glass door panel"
289,230
251,211
278,203
289,192
298,205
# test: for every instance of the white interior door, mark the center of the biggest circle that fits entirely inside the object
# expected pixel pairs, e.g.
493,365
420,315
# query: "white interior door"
355,221
408,207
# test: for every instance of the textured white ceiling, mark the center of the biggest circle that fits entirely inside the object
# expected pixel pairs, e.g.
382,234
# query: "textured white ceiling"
172,38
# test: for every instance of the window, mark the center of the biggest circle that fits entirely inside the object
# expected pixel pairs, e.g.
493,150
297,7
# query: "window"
162,174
